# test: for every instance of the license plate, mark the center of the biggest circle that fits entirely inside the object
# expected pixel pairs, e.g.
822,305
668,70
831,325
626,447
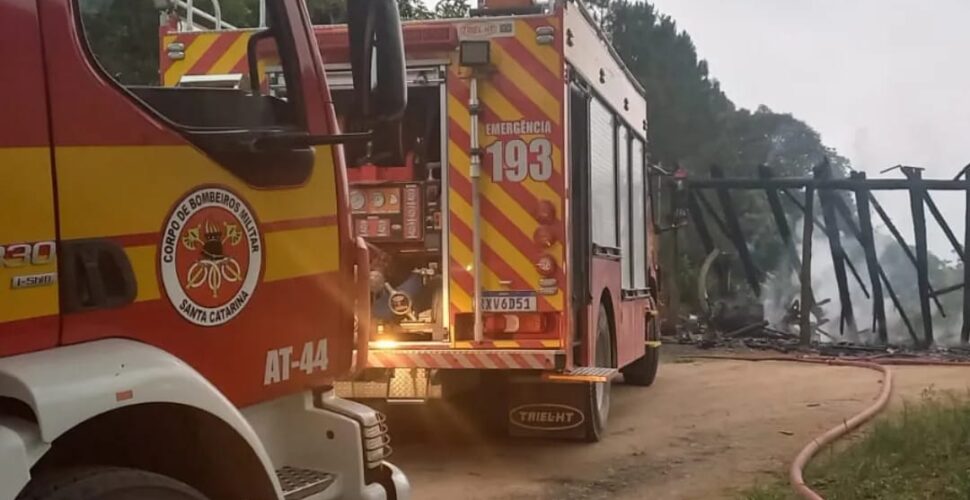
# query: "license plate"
509,302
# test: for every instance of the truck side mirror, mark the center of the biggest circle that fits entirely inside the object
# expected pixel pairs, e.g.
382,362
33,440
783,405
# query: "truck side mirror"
374,28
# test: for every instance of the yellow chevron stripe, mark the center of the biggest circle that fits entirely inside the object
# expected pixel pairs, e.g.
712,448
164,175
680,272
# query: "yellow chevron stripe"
521,78
521,218
193,52
233,55
460,251
461,300
545,54
512,255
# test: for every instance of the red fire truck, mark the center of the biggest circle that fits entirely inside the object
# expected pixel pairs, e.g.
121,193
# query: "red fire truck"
178,268
509,219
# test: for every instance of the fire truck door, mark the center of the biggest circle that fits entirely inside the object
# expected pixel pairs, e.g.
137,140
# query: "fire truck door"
28,268
226,256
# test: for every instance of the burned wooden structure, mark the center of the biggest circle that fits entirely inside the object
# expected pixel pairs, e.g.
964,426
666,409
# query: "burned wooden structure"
824,202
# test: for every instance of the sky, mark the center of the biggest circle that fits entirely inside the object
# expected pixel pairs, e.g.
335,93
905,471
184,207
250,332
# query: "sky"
884,82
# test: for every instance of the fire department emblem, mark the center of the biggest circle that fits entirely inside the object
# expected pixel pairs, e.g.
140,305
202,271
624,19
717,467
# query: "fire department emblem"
211,256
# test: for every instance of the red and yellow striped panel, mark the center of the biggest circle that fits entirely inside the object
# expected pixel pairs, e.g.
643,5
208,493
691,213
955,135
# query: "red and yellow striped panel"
521,135
205,53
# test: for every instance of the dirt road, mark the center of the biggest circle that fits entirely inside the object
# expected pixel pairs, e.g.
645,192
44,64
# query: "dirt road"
705,429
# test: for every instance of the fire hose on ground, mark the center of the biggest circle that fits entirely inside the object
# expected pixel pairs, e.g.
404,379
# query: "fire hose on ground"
877,363
796,471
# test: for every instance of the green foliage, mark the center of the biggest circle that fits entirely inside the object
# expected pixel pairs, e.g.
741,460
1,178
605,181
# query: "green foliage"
921,453
452,8
413,9
123,34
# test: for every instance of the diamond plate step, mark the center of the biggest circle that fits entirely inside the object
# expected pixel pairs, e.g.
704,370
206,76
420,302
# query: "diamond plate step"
300,483
581,374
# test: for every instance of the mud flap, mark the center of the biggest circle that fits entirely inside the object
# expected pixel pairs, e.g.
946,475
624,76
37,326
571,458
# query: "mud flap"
548,410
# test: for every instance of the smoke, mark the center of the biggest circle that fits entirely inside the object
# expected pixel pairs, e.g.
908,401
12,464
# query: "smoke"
781,288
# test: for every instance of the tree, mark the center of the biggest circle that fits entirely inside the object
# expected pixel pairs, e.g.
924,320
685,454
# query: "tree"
452,8
413,9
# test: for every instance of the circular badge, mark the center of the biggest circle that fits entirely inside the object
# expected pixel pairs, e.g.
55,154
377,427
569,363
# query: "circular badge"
211,256
399,303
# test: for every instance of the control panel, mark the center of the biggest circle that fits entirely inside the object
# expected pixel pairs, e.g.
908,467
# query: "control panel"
392,212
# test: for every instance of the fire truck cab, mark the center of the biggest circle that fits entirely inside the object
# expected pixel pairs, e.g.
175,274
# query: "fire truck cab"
178,273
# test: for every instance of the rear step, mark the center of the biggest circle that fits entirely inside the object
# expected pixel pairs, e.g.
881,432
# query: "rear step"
581,374
300,483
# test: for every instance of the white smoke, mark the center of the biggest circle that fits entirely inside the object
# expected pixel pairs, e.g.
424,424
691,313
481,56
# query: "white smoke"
781,288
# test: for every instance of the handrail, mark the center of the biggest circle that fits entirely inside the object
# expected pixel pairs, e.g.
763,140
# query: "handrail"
215,18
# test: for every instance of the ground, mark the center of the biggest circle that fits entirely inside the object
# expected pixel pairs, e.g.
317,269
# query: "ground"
704,430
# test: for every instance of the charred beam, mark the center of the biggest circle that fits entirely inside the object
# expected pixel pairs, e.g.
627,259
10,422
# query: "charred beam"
781,221
902,243
947,230
700,224
825,197
736,235
857,232
846,214
965,331
916,196
946,290
706,204
852,269
807,300
910,174
867,240
819,184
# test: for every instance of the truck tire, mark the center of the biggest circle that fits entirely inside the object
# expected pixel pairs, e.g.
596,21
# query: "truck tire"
599,392
643,371
106,483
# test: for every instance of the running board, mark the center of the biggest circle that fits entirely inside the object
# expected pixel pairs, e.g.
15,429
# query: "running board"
581,375
298,483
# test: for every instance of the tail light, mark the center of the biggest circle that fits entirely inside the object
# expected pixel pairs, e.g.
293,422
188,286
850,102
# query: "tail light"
546,214
544,237
515,323
546,266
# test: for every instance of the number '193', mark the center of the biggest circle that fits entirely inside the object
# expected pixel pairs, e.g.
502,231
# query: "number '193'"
515,159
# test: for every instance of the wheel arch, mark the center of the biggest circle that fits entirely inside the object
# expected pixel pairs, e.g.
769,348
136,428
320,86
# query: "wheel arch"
607,301
112,399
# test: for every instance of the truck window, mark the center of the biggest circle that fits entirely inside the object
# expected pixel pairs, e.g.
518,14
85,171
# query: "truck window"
603,179
623,164
639,202
193,76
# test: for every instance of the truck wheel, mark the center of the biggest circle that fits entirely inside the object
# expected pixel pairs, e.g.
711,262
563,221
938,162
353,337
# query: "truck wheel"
106,483
599,392
643,371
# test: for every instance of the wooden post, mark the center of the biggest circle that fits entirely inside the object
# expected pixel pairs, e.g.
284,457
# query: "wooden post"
806,304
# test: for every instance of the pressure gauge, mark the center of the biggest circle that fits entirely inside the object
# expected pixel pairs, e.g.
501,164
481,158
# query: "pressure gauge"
357,200
377,199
